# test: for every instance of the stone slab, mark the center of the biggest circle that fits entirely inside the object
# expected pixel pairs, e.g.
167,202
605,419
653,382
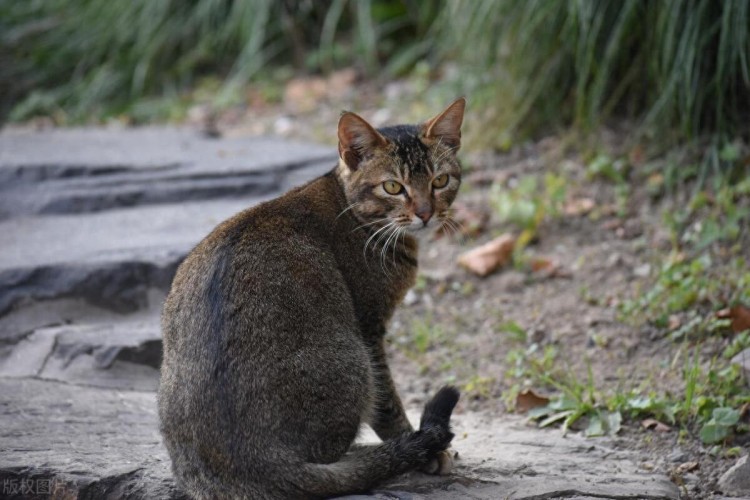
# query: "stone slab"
94,442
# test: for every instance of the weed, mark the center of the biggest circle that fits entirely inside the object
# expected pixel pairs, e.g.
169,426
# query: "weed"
479,387
615,171
528,204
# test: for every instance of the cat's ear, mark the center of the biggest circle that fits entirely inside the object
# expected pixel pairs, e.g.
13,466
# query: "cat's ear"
356,139
446,127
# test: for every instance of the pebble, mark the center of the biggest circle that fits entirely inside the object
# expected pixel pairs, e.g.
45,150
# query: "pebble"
411,298
678,456
736,481
642,271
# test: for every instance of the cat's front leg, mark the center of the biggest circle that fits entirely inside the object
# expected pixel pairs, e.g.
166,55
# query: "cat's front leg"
389,418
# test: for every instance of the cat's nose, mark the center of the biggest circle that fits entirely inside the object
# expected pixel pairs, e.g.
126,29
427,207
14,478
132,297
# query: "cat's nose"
424,214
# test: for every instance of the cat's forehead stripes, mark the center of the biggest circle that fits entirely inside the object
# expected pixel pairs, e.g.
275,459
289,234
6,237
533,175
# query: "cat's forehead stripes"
413,156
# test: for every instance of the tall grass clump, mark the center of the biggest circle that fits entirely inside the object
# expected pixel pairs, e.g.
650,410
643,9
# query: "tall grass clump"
93,57
678,66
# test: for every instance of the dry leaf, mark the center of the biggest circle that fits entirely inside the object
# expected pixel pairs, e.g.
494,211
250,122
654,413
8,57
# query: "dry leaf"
612,225
654,425
304,94
579,206
527,400
548,268
674,322
725,313
341,81
542,264
486,258
740,316
687,467
637,155
745,412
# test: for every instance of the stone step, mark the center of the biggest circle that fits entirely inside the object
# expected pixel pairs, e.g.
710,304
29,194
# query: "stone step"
111,259
124,355
106,216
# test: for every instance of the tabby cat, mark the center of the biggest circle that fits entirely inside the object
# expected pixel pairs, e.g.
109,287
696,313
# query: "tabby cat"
274,327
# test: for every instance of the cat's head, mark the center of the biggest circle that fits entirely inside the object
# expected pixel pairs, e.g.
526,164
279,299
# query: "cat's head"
404,177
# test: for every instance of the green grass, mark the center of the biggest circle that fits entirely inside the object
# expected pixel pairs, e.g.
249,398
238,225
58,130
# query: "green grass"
680,68
77,59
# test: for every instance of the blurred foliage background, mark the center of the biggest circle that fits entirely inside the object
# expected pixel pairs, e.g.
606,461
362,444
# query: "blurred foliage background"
676,68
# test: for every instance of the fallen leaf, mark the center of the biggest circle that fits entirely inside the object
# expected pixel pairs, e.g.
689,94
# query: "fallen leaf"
489,257
674,322
725,313
637,155
740,316
745,412
612,224
539,264
579,206
548,268
654,425
528,399
341,81
304,94
687,467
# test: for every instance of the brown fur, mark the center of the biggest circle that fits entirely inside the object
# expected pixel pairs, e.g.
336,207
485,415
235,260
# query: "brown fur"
274,326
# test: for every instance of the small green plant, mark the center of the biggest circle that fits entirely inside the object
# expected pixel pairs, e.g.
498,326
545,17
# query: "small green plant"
616,172
709,400
720,426
739,343
528,204
479,387
424,335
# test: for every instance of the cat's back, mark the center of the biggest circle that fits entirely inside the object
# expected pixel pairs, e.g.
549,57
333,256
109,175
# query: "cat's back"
267,258
303,214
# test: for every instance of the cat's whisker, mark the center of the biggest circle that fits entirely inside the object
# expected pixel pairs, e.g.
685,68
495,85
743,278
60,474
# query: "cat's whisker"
384,228
392,237
369,223
401,234
384,248
455,227
347,209
397,233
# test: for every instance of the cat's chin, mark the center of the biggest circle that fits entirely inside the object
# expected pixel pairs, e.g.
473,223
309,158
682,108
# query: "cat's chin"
424,232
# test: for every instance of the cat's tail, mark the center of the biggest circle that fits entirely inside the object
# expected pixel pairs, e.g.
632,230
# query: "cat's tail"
365,467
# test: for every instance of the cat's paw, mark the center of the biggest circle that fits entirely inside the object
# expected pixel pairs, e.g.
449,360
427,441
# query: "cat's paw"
442,464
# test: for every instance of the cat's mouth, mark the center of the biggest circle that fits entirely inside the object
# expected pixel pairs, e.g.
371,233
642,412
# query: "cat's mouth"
418,226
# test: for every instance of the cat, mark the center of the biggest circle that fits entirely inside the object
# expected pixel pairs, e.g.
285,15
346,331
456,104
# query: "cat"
274,326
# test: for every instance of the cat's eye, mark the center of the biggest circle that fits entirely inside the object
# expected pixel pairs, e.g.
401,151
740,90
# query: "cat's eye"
392,187
440,181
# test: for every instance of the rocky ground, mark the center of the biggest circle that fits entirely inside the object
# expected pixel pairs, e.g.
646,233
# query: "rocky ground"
94,223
